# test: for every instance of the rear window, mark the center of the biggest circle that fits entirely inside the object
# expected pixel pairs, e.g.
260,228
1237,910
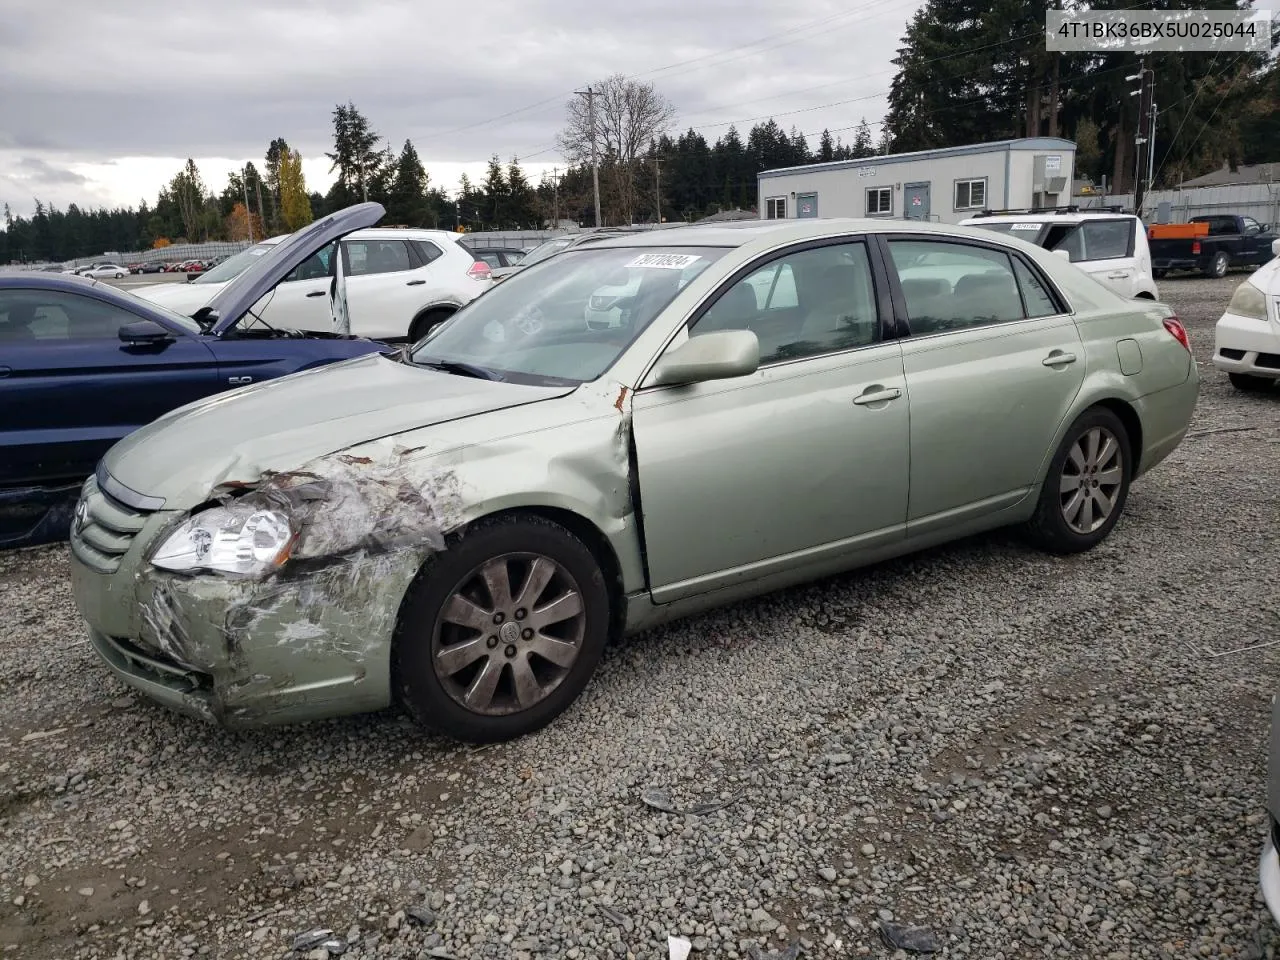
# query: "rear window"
1027,230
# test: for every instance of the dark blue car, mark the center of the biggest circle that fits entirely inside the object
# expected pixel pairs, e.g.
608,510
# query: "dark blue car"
83,363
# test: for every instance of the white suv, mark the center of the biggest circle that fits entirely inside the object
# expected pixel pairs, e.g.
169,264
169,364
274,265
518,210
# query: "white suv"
400,283
1110,247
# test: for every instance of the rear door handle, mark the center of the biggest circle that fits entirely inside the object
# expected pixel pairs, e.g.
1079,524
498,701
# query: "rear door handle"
1118,276
5,371
877,395
318,293
1058,359
415,283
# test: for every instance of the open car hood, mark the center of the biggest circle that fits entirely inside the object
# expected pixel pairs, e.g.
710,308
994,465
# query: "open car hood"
233,301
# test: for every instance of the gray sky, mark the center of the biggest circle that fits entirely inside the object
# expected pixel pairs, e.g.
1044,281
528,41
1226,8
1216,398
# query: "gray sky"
102,102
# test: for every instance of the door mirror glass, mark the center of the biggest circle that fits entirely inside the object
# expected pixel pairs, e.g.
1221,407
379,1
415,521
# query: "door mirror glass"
145,332
721,355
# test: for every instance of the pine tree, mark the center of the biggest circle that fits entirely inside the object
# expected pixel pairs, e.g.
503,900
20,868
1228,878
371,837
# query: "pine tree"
495,193
863,145
276,152
520,197
407,196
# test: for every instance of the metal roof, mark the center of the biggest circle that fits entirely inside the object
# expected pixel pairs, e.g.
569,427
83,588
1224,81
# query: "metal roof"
996,146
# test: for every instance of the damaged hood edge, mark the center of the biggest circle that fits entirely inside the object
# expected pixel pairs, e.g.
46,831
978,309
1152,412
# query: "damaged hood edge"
282,424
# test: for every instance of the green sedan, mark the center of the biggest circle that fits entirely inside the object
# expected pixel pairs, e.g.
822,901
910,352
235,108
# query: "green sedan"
460,530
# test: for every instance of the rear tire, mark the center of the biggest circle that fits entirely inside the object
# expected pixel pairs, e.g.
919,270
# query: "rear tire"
1250,383
425,322
520,596
1086,487
1218,265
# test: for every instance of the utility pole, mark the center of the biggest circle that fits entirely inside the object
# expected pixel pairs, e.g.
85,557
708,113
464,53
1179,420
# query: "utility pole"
1143,142
591,95
555,198
657,179
248,214
1151,144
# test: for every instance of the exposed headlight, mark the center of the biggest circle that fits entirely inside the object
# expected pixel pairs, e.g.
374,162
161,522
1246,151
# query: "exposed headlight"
240,540
1248,301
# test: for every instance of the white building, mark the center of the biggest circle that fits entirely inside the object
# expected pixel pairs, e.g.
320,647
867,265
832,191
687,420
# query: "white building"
945,185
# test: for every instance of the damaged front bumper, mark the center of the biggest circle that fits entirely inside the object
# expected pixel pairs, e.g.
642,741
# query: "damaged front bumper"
311,641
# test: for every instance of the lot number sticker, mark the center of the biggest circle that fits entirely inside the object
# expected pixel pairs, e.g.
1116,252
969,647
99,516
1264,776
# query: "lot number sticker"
1026,226
664,261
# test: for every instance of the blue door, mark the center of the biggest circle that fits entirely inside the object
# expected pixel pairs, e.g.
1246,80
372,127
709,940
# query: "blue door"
806,205
70,388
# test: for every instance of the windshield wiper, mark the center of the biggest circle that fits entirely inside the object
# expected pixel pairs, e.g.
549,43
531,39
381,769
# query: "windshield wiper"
460,368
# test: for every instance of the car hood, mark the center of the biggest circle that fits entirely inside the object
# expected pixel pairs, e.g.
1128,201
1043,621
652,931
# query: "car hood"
1267,277
282,424
184,298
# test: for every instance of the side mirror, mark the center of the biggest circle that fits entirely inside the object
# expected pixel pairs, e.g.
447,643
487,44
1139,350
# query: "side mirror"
721,355
1064,254
1275,247
145,333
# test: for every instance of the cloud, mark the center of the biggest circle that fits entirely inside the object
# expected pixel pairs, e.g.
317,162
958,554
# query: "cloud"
40,172
87,84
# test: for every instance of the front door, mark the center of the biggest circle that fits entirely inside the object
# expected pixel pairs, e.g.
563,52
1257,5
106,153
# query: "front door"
801,461
990,380
916,204
69,388
807,205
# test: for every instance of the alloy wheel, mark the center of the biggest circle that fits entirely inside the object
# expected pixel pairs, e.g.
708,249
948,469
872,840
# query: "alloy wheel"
509,633
1091,481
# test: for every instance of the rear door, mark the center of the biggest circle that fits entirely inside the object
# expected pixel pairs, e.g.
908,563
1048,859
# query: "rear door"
1105,249
387,283
993,362
69,388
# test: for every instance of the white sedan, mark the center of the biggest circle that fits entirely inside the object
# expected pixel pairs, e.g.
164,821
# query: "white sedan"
1247,339
104,270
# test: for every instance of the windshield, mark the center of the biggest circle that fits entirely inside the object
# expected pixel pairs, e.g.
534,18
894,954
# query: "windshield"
544,250
234,266
569,320
1029,231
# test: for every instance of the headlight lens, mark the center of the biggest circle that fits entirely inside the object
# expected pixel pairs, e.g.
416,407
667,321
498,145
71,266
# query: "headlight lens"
240,540
1248,301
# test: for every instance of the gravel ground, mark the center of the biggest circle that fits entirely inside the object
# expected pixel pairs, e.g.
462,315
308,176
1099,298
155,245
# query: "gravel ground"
1029,756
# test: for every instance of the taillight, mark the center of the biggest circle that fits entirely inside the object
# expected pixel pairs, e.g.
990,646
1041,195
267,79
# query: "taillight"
480,271
1178,331
1195,248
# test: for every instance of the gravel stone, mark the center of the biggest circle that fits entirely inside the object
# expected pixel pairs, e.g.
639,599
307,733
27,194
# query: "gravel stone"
1027,755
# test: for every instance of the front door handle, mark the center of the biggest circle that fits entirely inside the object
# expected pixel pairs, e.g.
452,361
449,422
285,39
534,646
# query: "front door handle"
877,394
415,283
1058,359
318,293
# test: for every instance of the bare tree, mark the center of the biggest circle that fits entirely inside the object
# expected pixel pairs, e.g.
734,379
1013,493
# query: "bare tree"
628,115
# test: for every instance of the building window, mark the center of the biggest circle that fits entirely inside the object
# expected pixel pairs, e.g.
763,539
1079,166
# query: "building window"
775,208
971,194
879,201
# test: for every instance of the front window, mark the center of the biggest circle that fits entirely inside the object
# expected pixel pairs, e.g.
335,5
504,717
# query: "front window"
568,321
233,266
971,194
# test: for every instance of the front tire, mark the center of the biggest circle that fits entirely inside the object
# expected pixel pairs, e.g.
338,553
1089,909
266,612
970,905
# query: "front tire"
501,632
1087,485
1250,383
1218,265
119,276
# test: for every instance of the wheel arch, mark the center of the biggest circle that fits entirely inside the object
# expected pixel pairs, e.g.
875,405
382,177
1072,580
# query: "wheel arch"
1121,406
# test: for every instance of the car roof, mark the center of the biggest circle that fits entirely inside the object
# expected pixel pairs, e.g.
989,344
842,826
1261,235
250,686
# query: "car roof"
1050,217
740,233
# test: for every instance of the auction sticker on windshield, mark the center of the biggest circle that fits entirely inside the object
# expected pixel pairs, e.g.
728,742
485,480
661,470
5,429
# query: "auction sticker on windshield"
665,261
